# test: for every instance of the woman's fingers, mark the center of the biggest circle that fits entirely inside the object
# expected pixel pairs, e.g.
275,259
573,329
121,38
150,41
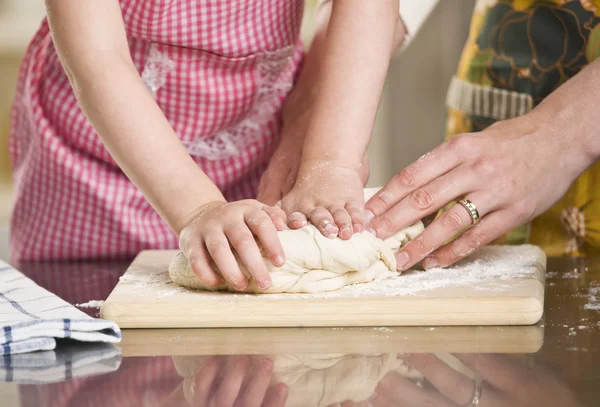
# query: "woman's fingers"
424,201
452,384
379,400
498,371
276,396
440,231
247,249
199,261
263,228
220,251
489,228
427,168
403,392
322,219
255,391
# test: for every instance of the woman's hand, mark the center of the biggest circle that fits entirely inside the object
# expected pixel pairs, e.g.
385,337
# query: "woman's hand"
505,382
512,171
219,228
329,196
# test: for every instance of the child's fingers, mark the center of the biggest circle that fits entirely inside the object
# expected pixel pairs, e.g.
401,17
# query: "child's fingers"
277,216
219,249
343,221
200,263
198,389
297,220
256,388
322,219
233,376
261,225
357,214
247,249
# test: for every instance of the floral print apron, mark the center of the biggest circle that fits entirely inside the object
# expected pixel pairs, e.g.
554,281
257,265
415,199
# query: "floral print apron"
517,53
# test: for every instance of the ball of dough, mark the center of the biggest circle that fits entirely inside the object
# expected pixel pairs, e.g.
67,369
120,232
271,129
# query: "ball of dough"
315,263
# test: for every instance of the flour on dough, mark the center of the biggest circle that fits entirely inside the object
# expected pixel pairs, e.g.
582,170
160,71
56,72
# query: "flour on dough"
315,263
318,380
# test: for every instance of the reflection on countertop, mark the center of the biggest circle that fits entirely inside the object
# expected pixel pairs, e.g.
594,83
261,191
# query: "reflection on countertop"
553,363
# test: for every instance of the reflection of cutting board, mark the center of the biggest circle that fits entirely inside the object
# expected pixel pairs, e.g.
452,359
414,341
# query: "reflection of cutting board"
501,285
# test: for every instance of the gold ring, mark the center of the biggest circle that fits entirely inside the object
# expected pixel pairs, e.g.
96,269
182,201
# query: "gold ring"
472,209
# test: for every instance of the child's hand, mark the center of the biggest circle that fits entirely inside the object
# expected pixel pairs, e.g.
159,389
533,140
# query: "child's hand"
221,227
329,196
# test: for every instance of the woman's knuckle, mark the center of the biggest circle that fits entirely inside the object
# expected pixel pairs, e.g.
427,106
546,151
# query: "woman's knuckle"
485,168
462,144
421,199
452,220
407,177
475,238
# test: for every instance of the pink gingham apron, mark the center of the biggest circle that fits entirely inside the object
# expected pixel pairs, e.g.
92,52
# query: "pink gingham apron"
219,70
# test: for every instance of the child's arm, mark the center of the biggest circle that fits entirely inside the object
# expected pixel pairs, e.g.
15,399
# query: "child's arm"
91,42
360,40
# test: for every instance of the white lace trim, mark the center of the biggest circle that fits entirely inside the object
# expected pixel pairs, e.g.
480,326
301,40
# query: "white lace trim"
158,66
273,83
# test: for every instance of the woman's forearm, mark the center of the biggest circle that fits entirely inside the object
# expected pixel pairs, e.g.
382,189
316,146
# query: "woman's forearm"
571,114
115,100
354,54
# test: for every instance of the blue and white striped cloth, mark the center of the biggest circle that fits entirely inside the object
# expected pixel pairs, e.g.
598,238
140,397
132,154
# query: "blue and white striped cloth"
69,361
31,318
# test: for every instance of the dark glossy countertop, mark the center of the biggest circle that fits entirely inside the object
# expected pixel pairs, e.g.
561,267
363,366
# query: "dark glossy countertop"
554,363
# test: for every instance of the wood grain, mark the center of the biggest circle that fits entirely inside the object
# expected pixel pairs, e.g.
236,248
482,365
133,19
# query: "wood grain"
146,298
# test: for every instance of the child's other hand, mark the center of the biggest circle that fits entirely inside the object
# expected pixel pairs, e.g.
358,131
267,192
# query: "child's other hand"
219,228
329,196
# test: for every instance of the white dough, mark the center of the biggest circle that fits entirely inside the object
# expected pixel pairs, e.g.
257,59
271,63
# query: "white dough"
315,263
318,380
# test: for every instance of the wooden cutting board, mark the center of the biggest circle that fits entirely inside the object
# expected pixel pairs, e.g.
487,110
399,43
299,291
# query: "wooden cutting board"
499,285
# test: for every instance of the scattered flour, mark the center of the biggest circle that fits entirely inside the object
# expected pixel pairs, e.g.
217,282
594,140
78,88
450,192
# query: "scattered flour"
571,275
593,299
382,329
91,304
489,269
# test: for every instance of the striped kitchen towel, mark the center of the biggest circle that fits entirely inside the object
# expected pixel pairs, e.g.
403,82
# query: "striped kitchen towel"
71,361
31,318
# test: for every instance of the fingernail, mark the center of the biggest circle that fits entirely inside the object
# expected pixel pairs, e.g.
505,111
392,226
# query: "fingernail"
263,285
330,232
402,259
266,364
429,263
369,216
279,261
358,228
347,228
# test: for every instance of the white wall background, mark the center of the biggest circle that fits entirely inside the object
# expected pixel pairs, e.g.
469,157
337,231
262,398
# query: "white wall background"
412,114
